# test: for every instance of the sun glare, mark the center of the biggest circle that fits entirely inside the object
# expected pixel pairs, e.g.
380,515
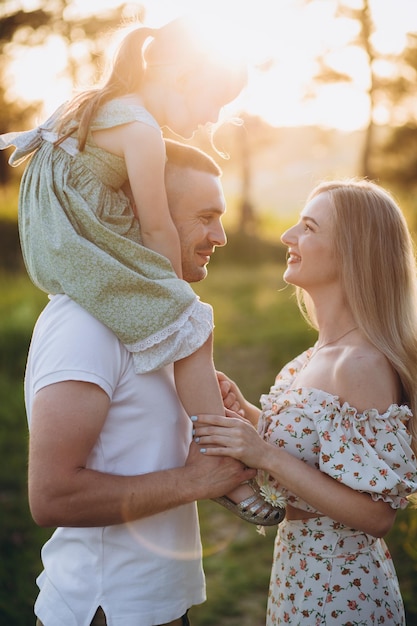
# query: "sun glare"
50,86
287,33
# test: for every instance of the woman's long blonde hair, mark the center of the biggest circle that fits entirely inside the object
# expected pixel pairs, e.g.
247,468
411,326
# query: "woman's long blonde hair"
377,265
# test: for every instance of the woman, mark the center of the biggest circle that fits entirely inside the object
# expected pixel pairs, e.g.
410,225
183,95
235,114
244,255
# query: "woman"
337,428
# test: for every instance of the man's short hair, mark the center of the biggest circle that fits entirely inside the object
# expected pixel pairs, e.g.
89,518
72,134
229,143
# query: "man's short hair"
185,156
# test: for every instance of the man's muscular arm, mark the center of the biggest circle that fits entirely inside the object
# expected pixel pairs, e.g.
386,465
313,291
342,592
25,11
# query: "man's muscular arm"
66,421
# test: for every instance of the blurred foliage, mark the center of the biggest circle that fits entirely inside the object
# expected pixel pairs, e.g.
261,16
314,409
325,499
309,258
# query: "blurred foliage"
20,539
393,89
24,25
11,258
237,562
397,158
361,16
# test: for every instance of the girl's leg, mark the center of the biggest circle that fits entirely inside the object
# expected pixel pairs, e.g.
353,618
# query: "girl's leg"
199,391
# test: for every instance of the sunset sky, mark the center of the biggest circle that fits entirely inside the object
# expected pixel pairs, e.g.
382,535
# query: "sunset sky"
286,31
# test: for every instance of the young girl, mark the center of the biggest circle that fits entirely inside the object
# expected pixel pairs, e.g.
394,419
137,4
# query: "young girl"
81,234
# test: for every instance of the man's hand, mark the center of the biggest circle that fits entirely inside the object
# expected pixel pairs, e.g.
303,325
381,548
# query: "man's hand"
214,476
66,420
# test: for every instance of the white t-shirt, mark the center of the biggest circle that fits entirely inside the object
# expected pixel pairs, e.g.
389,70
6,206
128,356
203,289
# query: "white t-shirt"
145,572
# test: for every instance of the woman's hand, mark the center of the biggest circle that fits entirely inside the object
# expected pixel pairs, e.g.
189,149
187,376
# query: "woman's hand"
236,437
232,436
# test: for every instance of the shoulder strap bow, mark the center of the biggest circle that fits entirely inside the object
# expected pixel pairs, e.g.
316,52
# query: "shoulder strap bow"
26,142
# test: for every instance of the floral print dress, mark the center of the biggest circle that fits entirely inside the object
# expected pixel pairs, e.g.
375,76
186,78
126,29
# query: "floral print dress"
324,573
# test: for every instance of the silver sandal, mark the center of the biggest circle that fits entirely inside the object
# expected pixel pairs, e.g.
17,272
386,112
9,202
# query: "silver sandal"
254,509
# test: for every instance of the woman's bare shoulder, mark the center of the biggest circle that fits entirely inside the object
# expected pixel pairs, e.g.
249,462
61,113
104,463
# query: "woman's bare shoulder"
366,378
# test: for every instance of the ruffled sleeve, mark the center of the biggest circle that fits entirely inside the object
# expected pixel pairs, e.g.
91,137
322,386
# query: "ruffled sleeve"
368,451
182,338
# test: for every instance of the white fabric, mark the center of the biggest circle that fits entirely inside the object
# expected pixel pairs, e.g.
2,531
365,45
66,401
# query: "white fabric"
184,337
142,573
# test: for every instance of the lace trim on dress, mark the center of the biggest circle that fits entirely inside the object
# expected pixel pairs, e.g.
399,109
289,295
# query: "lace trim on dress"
164,333
177,341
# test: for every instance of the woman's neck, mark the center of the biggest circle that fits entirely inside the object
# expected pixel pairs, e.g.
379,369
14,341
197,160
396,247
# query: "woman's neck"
334,318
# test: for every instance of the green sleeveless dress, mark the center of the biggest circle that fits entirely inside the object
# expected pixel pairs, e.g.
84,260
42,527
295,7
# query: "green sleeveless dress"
79,237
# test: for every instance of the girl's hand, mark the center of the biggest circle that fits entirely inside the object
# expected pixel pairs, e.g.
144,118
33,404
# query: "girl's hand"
232,436
234,399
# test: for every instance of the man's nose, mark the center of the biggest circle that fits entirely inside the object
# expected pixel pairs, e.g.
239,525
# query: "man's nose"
217,236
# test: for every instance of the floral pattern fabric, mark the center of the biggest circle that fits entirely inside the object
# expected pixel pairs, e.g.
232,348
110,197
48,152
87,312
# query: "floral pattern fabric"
324,573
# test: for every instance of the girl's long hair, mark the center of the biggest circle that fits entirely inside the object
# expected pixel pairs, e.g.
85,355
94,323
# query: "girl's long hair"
125,77
376,260
179,42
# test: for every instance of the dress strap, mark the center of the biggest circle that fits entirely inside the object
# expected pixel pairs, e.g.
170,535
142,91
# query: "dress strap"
28,141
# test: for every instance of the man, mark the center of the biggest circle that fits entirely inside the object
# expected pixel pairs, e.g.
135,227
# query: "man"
110,462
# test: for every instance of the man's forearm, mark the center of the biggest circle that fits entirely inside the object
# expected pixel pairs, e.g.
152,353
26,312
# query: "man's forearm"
91,498
98,499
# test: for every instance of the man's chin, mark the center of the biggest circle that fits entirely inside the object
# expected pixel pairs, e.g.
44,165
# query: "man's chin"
195,276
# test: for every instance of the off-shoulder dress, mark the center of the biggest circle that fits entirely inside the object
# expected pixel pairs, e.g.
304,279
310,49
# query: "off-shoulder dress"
324,573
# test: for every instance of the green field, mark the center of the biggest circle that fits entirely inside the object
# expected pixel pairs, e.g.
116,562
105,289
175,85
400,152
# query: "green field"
258,328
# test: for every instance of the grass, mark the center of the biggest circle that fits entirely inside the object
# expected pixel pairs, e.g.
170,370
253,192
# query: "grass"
237,562
20,301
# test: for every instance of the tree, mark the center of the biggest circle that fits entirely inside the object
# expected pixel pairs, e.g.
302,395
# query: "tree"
328,73
384,88
399,152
